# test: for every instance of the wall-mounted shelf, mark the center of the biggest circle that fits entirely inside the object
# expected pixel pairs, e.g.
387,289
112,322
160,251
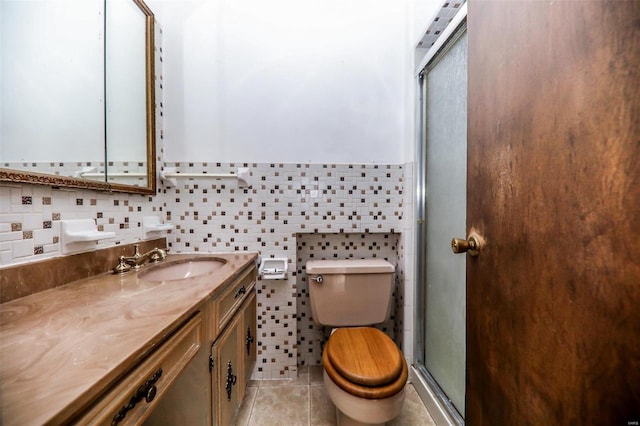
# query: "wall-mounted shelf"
78,235
170,176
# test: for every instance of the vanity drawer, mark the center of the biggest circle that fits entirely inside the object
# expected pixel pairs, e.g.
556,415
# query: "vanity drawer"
159,370
227,303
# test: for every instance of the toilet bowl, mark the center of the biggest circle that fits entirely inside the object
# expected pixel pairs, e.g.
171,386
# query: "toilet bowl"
365,376
364,371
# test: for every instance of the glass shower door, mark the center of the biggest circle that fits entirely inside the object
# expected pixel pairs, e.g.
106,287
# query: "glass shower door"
445,175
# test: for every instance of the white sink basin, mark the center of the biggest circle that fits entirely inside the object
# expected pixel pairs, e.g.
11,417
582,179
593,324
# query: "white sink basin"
182,269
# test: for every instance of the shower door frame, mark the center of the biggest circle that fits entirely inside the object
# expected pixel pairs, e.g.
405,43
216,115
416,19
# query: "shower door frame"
437,402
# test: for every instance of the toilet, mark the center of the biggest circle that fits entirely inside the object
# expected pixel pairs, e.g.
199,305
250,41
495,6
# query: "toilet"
364,371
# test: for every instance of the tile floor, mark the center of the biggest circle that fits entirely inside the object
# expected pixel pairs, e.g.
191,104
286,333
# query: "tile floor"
304,402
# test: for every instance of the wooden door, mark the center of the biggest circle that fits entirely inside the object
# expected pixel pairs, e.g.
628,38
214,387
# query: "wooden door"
553,300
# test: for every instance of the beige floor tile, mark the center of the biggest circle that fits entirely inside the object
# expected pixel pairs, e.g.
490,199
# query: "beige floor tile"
322,412
413,411
244,413
281,405
295,403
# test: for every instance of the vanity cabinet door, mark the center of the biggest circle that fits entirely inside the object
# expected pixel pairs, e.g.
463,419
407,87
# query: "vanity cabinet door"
227,367
134,397
249,339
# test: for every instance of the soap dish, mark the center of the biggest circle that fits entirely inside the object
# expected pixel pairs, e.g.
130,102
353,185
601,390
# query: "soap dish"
81,235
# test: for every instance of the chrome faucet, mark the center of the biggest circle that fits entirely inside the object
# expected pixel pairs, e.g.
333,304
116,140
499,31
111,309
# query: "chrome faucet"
137,260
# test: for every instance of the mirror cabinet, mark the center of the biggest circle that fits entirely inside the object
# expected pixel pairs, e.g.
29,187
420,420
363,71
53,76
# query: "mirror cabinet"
77,94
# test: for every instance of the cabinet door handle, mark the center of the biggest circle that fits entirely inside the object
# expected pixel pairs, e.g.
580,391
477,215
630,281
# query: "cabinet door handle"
151,394
249,340
146,391
231,380
240,291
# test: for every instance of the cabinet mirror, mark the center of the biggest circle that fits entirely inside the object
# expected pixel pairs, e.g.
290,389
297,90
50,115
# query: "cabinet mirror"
77,102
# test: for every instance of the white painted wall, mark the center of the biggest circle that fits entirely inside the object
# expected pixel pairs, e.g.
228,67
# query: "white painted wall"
420,14
286,80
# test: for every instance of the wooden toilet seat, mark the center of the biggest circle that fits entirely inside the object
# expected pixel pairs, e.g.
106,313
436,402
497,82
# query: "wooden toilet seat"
365,362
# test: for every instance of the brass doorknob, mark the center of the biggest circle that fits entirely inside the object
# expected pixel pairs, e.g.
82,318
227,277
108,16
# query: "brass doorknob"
470,245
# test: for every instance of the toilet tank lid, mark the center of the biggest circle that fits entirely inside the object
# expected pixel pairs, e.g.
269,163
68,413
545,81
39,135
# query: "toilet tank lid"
350,266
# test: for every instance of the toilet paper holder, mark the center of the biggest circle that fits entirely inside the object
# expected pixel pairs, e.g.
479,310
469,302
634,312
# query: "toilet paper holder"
274,269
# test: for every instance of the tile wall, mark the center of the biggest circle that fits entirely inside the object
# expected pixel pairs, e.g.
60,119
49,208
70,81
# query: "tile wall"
30,218
283,202
287,212
287,206
311,336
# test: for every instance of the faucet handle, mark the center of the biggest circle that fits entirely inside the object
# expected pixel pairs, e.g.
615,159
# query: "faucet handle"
122,266
158,254
136,247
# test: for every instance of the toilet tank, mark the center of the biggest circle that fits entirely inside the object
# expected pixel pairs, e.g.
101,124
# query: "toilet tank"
350,292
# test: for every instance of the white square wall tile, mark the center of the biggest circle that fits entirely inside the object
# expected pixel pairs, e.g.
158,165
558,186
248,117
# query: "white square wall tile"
6,257
10,217
15,195
408,316
409,293
32,222
43,236
10,236
23,248
407,344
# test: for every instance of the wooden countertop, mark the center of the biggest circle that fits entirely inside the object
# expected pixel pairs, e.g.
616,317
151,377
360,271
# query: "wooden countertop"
60,348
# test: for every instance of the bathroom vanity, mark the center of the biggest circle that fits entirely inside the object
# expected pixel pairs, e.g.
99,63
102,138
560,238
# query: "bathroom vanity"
147,346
